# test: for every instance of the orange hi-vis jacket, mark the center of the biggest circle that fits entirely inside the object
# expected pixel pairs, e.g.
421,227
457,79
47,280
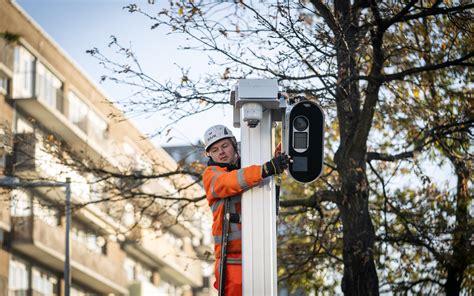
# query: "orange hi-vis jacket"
225,181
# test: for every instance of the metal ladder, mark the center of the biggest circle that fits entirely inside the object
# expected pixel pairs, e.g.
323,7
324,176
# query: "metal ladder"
228,218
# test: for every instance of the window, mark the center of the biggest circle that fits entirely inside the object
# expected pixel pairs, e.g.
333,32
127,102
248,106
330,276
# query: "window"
48,87
4,79
129,267
143,273
23,126
20,204
45,211
96,190
88,238
169,288
78,111
128,215
6,144
44,284
98,127
136,271
18,278
23,73
86,119
78,291
174,240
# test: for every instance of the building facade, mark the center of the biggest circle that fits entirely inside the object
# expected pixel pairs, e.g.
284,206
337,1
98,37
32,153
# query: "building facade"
129,235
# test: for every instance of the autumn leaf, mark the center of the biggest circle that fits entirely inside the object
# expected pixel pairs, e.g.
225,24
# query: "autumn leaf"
416,93
226,73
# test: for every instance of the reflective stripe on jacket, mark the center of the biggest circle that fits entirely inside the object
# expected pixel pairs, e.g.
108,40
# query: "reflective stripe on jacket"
222,181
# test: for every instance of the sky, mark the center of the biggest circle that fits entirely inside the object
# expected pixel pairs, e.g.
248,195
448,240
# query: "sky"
79,25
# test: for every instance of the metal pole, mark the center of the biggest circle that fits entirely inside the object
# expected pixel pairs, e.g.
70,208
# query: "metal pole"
258,214
14,182
67,265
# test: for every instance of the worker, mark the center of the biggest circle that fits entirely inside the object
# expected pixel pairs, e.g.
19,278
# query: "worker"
225,179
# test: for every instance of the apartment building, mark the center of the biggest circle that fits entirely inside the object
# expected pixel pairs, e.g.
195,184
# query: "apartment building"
55,123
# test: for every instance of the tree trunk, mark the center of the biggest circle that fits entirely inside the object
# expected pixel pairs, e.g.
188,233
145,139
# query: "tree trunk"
360,277
461,247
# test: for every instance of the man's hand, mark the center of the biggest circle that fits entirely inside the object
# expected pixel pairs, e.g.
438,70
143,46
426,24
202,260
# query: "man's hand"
275,166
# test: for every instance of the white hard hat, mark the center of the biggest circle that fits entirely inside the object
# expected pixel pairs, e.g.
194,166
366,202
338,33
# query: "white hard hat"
216,133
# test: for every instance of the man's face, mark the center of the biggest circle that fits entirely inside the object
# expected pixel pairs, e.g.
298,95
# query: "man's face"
223,151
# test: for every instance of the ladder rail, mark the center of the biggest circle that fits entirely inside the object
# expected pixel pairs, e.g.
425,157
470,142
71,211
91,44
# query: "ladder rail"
224,240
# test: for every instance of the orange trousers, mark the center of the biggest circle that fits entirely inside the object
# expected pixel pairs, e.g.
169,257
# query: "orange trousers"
233,278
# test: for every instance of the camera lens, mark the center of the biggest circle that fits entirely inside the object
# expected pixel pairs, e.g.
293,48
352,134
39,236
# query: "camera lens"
300,123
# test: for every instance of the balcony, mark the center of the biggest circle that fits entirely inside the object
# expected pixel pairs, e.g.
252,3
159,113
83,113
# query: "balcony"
58,124
34,159
144,289
181,265
46,244
7,56
24,152
31,160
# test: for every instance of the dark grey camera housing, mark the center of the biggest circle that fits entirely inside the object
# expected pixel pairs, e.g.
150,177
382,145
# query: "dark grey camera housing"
303,139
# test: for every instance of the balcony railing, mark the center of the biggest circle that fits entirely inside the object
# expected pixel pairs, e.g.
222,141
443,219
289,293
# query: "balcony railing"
46,243
23,157
183,265
7,53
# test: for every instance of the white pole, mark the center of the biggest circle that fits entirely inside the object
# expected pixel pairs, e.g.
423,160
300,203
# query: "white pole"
259,214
